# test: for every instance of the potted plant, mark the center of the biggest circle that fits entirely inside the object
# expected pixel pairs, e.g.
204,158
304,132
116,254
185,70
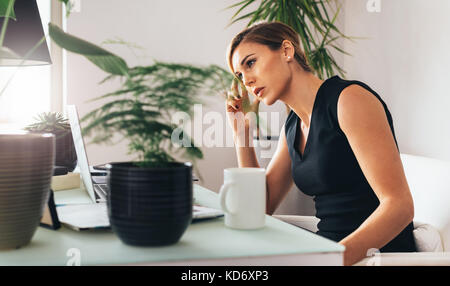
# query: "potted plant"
150,199
55,123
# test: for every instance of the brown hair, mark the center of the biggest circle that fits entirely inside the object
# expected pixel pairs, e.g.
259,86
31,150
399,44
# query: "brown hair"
271,35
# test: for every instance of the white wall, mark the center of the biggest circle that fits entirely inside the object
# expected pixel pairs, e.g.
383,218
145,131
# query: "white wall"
405,59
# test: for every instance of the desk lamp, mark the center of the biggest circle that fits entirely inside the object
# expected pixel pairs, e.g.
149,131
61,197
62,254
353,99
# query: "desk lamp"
22,35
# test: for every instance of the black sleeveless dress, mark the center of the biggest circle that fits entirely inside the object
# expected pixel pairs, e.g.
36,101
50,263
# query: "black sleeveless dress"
329,171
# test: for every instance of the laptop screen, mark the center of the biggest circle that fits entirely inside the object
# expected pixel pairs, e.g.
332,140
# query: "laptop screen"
82,160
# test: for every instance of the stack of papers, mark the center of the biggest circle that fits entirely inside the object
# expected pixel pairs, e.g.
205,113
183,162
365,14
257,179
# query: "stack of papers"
89,216
84,216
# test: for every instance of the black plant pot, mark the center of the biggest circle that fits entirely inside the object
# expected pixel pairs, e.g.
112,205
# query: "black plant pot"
149,206
65,151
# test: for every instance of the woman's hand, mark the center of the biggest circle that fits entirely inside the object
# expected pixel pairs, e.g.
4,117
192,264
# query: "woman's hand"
242,114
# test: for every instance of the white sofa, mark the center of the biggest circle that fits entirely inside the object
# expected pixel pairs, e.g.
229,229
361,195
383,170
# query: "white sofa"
429,182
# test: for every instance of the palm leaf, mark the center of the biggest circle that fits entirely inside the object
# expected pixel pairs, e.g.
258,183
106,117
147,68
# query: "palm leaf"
105,60
242,8
237,4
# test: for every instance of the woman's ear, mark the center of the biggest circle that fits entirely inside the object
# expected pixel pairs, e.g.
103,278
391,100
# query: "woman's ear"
287,50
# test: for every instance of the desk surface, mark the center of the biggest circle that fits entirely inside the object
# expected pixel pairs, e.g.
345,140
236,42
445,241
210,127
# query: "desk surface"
203,241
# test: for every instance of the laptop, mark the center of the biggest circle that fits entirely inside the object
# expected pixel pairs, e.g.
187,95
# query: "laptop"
93,215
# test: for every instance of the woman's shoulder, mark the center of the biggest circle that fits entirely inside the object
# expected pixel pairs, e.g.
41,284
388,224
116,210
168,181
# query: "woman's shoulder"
349,98
356,95
356,105
339,84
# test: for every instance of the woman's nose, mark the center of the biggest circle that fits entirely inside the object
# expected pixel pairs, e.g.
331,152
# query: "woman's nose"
247,80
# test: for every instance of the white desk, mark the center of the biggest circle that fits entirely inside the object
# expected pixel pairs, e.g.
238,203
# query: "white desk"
203,243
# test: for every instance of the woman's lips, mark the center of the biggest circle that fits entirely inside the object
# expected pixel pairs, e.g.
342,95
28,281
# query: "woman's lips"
260,92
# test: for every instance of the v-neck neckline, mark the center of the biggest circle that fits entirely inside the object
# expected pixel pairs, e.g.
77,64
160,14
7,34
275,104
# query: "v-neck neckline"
297,125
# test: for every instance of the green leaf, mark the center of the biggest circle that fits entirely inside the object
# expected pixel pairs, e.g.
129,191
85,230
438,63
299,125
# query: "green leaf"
4,9
237,4
53,122
341,50
242,8
257,14
102,58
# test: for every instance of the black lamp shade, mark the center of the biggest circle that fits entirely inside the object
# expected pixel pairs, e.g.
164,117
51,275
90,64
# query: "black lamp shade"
23,34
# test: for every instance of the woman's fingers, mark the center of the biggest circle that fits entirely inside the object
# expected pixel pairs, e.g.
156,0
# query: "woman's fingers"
236,105
244,91
232,97
233,104
235,97
229,101
232,107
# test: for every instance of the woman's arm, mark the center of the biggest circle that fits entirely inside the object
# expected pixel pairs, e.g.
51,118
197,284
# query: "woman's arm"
362,118
245,151
278,175
243,123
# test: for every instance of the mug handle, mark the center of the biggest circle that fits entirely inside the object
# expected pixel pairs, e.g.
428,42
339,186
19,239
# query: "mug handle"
223,196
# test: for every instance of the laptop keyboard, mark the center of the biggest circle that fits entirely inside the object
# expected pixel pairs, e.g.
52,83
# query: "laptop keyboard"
100,190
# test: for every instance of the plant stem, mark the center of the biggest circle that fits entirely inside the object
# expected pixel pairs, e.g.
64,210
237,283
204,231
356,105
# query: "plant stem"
5,22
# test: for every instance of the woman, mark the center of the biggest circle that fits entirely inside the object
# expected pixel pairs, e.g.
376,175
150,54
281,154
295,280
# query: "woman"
337,144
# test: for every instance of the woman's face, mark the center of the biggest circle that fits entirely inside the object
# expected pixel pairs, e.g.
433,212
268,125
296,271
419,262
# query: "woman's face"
265,73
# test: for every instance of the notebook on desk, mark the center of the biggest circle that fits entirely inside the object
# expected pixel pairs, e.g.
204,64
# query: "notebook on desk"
91,211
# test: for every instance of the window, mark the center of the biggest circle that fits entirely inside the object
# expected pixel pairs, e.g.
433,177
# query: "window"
29,91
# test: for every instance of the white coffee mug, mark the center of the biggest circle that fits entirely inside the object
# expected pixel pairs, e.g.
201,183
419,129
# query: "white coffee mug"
243,197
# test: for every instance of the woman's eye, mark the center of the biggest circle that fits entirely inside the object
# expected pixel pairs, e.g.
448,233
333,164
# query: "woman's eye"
250,63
